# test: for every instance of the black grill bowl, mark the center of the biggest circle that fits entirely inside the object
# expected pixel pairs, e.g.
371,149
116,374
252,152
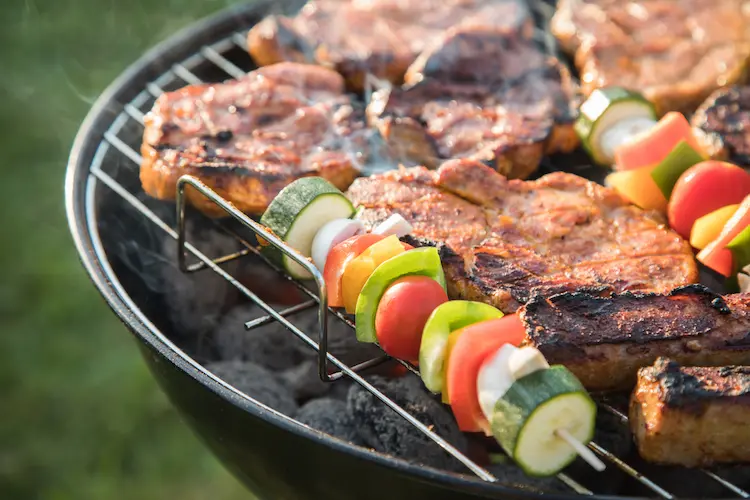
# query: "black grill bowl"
273,455
126,244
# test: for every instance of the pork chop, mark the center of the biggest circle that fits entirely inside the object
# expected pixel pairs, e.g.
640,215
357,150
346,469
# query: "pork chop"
605,339
675,52
377,37
506,241
247,139
724,120
694,416
483,94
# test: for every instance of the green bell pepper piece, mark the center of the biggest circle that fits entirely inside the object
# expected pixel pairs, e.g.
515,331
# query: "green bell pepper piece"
740,248
681,158
444,320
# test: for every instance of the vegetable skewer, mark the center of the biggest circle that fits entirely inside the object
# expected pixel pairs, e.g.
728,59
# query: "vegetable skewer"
469,351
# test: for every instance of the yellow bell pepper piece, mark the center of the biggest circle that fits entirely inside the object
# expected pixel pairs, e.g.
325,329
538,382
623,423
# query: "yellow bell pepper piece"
639,187
361,267
707,228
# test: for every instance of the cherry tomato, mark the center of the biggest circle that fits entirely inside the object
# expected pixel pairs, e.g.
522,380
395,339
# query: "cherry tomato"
703,188
402,313
473,344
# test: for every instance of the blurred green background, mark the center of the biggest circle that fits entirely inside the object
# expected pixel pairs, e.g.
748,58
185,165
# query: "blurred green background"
80,416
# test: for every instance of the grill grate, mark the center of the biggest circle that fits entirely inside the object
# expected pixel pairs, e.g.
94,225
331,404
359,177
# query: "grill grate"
215,57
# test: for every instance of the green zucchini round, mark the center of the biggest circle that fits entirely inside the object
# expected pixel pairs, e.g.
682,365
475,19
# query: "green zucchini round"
297,213
535,406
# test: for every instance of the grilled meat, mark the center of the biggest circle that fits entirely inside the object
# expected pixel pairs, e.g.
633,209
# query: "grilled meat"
479,94
692,416
504,241
604,340
247,139
377,37
724,119
675,52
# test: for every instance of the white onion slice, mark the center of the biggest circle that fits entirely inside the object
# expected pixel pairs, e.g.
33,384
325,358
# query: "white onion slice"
623,132
395,224
495,378
331,235
525,361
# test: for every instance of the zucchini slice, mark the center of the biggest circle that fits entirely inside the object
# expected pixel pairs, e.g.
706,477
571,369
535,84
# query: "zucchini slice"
297,213
535,406
615,114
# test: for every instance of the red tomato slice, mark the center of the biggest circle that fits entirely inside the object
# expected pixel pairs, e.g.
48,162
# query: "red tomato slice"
651,147
703,188
338,258
716,256
402,313
473,345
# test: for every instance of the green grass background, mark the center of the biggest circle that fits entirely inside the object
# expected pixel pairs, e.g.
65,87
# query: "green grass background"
80,416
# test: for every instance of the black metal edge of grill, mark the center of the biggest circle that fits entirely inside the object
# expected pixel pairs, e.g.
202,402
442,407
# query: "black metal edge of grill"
211,411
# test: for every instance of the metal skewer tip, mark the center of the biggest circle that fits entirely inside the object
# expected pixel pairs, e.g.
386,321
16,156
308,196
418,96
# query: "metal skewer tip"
581,449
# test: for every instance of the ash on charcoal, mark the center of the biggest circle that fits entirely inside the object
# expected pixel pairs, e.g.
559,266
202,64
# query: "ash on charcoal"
383,429
196,301
256,382
271,346
330,416
512,476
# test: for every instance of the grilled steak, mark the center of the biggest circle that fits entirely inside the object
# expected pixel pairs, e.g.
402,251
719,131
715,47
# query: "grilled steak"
377,37
504,241
604,340
724,120
249,138
675,52
692,416
483,94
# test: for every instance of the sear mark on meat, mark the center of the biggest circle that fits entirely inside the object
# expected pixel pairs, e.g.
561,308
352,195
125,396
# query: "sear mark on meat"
479,93
724,119
249,138
506,241
375,37
674,52
604,340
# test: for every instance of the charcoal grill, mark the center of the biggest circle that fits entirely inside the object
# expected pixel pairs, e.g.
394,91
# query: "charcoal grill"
113,224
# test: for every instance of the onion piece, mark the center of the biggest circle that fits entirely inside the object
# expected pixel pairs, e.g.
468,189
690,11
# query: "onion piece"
622,132
395,224
330,235
494,379
525,361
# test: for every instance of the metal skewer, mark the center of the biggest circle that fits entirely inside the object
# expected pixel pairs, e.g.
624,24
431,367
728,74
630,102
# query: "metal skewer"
581,449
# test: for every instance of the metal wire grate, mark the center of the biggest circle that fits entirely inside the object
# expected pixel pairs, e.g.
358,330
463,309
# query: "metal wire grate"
216,55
